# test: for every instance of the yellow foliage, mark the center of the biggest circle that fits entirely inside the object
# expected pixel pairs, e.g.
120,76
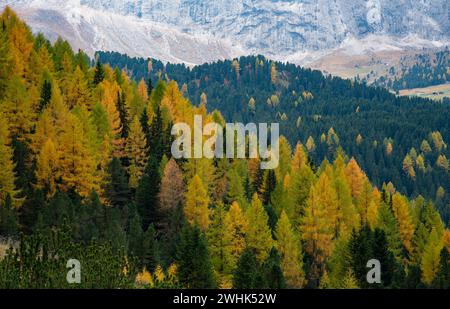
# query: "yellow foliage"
405,223
197,204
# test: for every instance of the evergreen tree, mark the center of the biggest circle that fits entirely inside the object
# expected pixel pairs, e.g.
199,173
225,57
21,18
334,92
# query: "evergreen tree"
217,241
135,236
274,278
150,249
9,225
99,74
268,186
117,189
247,274
46,94
147,193
193,261
442,279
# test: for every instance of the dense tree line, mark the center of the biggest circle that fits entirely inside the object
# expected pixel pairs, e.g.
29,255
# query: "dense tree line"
427,69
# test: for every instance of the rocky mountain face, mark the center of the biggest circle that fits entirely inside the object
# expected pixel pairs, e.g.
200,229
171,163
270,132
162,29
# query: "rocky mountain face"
196,31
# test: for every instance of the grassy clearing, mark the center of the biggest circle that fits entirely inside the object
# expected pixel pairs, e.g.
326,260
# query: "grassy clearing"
433,92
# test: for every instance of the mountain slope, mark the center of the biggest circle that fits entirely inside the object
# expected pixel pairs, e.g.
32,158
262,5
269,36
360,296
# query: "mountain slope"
195,31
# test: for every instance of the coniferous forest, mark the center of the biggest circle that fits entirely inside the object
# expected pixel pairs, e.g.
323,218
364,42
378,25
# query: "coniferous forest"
86,173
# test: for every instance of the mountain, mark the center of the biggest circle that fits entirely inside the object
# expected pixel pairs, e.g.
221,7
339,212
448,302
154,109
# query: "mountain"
196,31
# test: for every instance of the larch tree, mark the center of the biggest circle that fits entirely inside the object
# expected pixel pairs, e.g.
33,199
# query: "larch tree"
404,219
5,62
319,223
136,152
235,190
288,245
259,236
47,168
77,91
442,162
76,162
252,104
7,177
372,210
142,90
364,200
202,167
408,167
355,178
15,106
301,182
172,189
197,204
203,99
108,98
236,226
431,258
299,159
349,215
310,144
284,159
217,244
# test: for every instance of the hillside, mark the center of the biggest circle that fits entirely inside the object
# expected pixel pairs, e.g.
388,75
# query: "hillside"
88,180
308,104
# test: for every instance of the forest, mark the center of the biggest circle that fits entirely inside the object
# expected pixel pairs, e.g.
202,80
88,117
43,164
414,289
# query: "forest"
394,139
427,69
86,173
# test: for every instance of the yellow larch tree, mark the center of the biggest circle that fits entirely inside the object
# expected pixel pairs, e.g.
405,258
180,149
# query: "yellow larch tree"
7,175
355,178
21,41
78,169
299,158
310,144
236,226
372,210
77,91
284,159
402,213
108,94
349,216
259,236
318,225
431,258
15,106
288,245
142,90
47,167
197,209
364,200
136,152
